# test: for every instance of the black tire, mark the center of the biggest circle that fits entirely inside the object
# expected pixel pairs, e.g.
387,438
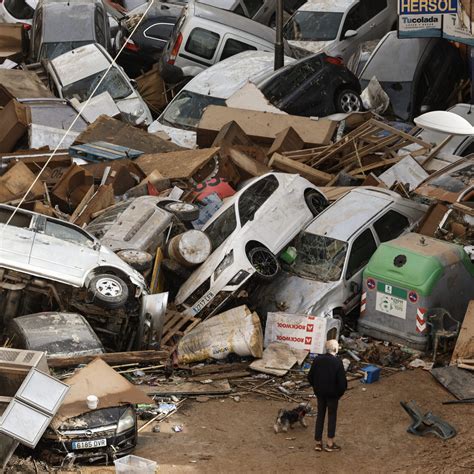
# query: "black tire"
137,259
108,291
177,269
348,100
264,262
183,211
315,201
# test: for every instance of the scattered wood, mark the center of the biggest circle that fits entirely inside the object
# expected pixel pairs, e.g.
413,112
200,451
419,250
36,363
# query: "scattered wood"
220,387
286,140
464,348
283,163
224,376
218,368
177,324
141,357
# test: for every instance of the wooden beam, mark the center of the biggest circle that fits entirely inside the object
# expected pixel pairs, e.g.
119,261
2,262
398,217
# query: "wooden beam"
290,166
141,357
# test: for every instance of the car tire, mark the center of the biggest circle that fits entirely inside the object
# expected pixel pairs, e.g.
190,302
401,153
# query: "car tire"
348,100
137,259
264,262
315,201
183,211
108,291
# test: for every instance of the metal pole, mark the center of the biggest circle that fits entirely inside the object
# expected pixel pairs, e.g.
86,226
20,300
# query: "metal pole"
279,51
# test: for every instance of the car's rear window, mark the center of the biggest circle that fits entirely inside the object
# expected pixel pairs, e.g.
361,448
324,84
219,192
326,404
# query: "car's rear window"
19,9
202,43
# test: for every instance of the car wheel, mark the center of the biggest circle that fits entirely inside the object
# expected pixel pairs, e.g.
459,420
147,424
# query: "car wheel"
315,202
183,211
347,101
138,260
108,291
264,262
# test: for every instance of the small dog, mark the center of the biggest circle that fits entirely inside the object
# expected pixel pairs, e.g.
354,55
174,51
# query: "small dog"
287,418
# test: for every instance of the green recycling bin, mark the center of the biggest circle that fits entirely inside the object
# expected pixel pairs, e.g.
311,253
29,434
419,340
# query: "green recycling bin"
407,276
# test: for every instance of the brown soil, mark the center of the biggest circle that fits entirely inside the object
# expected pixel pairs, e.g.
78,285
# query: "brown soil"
222,435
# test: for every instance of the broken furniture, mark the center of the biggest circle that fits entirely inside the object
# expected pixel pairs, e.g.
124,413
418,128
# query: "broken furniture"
443,328
103,151
428,423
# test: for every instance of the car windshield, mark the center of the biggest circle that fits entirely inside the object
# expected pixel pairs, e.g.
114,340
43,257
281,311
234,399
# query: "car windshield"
53,50
319,257
222,227
186,110
313,26
114,83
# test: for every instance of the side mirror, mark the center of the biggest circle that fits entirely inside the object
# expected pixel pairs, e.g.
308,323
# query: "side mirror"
350,34
355,288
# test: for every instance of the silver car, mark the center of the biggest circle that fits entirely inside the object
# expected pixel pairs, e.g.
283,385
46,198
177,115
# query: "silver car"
332,252
51,249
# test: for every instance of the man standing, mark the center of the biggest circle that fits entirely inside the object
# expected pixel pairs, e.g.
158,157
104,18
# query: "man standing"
328,379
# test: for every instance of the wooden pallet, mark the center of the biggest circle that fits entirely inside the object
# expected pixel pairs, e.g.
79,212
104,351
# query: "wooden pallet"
176,324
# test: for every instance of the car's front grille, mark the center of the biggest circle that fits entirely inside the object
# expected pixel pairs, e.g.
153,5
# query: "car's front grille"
102,432
198,293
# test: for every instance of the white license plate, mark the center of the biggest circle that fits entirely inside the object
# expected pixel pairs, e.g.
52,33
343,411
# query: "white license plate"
209,296
96,443
391,305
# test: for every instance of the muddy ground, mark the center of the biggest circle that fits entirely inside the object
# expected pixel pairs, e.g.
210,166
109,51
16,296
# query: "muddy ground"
224,436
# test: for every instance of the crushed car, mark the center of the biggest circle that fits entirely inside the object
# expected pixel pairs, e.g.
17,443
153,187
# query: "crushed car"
246,234
332,251
75,75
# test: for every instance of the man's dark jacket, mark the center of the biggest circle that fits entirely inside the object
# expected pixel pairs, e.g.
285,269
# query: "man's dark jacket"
327,376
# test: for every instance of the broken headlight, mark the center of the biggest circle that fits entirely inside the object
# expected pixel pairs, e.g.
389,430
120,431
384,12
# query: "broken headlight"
238,278
126,422
227,261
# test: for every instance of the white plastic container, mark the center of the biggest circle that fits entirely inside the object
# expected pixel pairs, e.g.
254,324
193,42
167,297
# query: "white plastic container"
134,465
92,402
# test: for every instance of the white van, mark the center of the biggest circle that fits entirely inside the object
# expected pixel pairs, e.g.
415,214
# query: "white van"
205,35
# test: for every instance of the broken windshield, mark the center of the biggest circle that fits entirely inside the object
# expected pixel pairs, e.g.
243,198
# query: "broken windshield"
313,26
114,83
318,257
186,110
222,227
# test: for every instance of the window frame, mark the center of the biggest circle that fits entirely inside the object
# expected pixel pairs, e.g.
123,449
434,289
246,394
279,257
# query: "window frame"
401,215
156,24
211,33
347,277
228,38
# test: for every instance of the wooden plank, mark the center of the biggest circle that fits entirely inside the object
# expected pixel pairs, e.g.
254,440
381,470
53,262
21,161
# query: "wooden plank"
246,163
262,127
218,368
286,140
464,348
286,164
141,357
81,206
178,164
375,166
220,387
224,376
103,197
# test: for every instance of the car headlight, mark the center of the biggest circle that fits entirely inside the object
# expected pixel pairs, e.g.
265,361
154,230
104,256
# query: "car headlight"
238,278
126,422
226,262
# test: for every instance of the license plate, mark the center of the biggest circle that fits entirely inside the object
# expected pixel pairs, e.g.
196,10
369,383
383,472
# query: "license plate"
392,305
95,443
209,296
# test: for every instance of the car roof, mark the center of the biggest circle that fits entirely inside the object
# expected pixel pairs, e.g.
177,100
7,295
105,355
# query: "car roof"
231,20
229,75
337,6
68,21
93,60
348,214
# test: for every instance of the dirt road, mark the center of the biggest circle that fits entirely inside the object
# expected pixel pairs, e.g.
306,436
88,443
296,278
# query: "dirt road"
226,436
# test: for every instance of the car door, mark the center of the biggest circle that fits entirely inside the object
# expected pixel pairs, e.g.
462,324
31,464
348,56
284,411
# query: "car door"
261,217
380,17
356,19
232,45
362,248
63,251
16,238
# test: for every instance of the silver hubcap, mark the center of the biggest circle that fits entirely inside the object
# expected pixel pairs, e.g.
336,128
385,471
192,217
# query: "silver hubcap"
180,207
350,102
108,287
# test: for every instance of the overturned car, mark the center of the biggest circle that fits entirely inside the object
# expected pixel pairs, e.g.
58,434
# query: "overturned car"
246,234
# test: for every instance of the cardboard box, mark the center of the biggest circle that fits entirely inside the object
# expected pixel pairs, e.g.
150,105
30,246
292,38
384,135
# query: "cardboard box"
301,331
14,121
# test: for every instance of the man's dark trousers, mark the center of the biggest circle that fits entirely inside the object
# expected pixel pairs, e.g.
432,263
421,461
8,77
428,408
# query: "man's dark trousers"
329,404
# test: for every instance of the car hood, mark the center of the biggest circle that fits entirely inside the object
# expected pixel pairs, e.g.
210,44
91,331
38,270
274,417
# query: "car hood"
205,271
94,419
184,138
312,46
290,293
